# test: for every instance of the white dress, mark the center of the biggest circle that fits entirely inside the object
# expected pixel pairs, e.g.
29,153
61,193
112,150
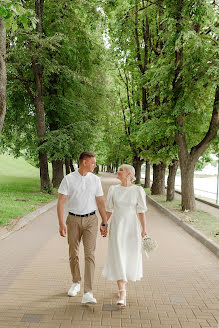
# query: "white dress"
124,256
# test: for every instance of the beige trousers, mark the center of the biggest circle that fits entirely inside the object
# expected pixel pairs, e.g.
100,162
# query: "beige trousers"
86,229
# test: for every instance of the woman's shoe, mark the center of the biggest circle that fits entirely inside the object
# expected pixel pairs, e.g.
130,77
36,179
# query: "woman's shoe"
122,302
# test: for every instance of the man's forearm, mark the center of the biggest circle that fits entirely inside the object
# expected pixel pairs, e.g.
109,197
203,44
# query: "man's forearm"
102,210
60,212
103,214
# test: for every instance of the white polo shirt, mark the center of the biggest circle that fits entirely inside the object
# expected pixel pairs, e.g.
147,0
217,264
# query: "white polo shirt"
81,192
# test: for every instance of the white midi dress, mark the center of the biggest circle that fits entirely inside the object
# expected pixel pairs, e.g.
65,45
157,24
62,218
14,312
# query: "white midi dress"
124,256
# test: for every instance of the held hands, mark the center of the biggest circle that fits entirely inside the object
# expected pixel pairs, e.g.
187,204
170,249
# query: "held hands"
62,230
103,230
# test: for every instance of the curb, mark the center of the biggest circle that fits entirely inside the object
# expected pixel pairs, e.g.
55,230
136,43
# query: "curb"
29,217
210,244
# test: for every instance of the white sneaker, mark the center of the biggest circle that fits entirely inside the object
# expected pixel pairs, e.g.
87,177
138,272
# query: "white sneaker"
88,298
75,288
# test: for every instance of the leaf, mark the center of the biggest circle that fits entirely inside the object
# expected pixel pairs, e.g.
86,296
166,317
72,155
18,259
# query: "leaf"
3,12
34,21
24,21
14,25
8,22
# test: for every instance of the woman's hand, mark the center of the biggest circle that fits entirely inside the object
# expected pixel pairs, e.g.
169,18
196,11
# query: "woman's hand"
143,234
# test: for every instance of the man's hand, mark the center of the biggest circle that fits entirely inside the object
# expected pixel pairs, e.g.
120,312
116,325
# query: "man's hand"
102,210
62,230
60,211
103,230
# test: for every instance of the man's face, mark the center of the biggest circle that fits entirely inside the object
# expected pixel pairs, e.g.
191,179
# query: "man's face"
90,164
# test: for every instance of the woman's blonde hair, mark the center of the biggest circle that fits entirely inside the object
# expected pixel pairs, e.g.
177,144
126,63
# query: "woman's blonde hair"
131,170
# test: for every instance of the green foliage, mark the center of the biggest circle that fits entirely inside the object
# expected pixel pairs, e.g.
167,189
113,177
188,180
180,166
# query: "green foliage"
89,89
152,134
14,13
205,159
73,57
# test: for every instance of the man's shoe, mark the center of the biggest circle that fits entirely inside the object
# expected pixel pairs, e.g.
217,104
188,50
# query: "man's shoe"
88,298
75,288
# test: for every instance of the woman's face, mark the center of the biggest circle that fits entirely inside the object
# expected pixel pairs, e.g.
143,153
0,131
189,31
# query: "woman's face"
122,173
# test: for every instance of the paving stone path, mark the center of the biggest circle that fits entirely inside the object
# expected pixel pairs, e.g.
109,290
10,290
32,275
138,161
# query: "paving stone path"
180,288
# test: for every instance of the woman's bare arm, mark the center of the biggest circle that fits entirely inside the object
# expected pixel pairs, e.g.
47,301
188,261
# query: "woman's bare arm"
142,219
108,214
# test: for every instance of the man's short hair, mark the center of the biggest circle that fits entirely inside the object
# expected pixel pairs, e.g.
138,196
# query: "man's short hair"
86,154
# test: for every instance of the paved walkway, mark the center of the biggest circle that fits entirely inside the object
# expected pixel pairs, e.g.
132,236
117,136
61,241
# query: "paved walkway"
180,287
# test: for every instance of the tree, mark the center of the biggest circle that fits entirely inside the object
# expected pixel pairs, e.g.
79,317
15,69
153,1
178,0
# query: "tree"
38,99
71,56
3,75
112,146
188,84
176,53
11,12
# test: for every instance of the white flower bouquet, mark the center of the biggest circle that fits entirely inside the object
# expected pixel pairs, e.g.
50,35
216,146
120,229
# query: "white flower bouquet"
148,245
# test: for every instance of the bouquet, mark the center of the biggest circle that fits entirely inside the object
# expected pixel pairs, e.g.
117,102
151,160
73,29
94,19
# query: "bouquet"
148,245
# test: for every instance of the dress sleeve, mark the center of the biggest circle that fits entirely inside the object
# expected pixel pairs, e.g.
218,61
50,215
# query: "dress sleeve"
109,200
141,202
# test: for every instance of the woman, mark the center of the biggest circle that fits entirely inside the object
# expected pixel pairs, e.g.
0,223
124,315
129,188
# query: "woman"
126,203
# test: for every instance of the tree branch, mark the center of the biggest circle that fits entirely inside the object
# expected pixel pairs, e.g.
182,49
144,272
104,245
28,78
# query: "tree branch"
138,43
128,98
22,79
180,138
199,149
127,131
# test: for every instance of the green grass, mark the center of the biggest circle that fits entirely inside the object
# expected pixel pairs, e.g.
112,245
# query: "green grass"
19,189
202,221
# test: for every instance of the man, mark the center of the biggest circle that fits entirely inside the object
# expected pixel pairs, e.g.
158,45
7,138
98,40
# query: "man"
84,193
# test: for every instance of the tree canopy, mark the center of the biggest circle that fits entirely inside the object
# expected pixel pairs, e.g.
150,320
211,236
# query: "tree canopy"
133,81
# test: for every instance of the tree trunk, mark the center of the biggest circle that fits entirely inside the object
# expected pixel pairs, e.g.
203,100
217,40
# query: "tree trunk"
57,172
39,102
41,133
96,170
3,75
67,166
71,165
117,165
147,180
187,185
158,185
171,180
137,162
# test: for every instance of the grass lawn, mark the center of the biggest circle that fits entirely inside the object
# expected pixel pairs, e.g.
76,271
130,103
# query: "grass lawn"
19,189
202,221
